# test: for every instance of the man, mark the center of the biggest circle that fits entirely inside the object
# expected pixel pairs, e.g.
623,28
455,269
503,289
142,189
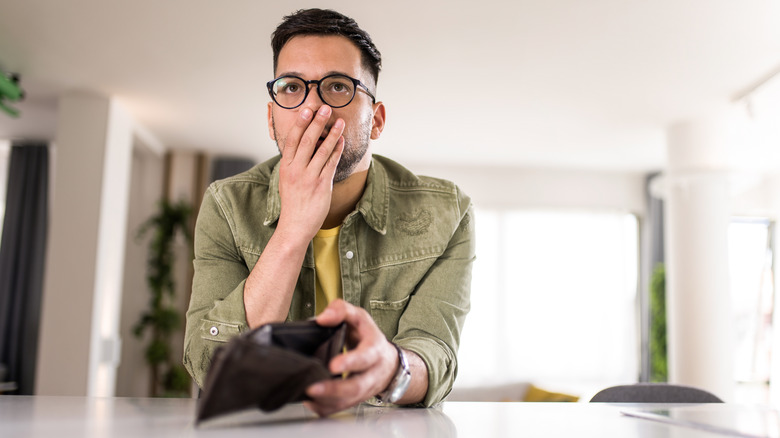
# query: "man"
330,230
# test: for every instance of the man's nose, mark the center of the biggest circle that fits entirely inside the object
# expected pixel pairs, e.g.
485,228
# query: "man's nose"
313,101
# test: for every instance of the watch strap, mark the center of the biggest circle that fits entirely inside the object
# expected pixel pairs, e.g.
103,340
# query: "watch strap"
400,383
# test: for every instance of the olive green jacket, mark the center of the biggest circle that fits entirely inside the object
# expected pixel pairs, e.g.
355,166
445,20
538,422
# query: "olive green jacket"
406,254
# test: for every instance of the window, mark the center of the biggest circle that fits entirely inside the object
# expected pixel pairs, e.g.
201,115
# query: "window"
752,291
553,300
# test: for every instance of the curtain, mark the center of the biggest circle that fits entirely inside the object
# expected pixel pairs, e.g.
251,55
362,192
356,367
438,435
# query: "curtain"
652,254
22,251
223,167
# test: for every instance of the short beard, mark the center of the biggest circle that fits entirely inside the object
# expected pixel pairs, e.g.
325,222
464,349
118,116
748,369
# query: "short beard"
353,153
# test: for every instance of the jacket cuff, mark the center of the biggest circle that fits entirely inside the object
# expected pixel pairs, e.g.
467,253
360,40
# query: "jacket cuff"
442,367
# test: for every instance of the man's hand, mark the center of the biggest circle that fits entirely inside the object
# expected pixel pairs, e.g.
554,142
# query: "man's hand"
371,364
305,186
308,164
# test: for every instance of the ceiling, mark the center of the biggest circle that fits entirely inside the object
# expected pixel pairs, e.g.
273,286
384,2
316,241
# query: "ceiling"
534,83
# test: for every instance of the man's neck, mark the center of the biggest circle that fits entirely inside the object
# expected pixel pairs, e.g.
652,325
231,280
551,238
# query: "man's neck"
346,195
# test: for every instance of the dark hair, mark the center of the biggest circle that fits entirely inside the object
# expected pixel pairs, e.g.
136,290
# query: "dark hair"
327,22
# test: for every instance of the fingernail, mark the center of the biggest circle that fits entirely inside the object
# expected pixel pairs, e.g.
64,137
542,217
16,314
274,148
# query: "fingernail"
339,124
316,389
306,114
324,110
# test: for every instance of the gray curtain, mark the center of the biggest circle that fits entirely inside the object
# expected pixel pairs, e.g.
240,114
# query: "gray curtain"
652,254
22,251
223,167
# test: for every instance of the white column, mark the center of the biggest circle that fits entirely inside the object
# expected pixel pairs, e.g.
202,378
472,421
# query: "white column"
79,343
773,184
105,341
699,322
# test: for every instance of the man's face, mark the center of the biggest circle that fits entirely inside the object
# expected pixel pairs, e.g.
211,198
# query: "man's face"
314,57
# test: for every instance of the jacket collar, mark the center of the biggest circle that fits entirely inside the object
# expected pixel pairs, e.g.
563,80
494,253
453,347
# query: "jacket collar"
373,205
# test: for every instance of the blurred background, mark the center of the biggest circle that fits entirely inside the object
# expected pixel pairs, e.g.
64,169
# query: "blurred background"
621,155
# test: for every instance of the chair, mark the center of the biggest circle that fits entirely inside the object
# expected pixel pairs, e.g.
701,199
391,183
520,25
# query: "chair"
654,393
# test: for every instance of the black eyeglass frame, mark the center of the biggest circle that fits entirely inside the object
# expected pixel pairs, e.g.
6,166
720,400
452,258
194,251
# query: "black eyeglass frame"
355,82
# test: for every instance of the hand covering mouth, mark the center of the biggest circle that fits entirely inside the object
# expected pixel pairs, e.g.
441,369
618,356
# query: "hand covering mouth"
322,138
318,143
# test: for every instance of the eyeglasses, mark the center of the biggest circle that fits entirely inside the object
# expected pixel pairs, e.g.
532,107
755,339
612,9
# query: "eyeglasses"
336,90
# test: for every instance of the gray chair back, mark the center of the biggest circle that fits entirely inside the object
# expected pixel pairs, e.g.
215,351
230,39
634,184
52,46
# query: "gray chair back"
654,393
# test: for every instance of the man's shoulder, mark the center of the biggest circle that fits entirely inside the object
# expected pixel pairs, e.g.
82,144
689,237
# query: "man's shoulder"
399,177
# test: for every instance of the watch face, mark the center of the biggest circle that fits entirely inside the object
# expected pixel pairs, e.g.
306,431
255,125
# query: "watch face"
401,380
401,385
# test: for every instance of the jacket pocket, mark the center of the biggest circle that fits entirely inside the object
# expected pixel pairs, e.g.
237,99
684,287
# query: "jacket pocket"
218,331
387,314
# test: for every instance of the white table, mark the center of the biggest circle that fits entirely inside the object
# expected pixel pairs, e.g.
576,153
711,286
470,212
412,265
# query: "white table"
43,416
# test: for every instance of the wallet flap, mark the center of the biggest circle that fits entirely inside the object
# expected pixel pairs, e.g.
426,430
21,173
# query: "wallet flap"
304,337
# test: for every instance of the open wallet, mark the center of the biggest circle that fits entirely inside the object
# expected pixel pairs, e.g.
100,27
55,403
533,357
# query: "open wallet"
269,367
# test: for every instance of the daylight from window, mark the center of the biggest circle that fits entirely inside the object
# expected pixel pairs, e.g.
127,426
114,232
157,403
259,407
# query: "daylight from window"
752,292
554,300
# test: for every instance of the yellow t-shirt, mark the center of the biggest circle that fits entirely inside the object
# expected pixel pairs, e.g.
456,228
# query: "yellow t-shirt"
326,264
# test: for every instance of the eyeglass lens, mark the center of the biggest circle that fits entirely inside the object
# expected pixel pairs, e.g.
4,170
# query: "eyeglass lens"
336,91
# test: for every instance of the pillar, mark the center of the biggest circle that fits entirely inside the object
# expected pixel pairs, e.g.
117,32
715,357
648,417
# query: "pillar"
699,320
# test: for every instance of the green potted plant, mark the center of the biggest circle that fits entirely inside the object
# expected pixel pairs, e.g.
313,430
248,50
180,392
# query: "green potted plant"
161,319
658,365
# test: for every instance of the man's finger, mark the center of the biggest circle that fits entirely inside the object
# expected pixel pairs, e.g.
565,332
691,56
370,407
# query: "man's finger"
335,395
361,325
368,350
333,314
329,169
323,155
290,146
339,388
312,134
364,357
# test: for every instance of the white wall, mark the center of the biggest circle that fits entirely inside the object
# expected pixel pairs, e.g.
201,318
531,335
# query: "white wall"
499,188
132,378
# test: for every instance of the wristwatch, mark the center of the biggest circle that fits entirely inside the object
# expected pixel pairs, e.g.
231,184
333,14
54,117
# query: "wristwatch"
400,382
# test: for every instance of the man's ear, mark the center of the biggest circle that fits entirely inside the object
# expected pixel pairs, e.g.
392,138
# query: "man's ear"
271,122
378,121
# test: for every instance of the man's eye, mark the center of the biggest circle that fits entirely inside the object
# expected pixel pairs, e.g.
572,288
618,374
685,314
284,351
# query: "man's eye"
339,87
291,88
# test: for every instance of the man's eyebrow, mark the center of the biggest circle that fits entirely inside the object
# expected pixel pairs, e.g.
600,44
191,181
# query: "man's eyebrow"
288,73
300,75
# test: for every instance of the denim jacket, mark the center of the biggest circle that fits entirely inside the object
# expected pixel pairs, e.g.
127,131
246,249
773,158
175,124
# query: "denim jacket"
406,254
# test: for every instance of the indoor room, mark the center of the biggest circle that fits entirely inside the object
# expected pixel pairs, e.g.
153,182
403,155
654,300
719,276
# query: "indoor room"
621,160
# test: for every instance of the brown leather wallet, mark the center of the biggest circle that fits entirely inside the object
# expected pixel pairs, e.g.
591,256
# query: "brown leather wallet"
269,367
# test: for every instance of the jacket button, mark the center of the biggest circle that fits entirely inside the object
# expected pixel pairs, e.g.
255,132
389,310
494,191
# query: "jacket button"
308,305
349,255
214,331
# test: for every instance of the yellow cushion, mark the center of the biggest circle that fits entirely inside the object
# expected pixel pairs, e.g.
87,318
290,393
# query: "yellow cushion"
535,394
